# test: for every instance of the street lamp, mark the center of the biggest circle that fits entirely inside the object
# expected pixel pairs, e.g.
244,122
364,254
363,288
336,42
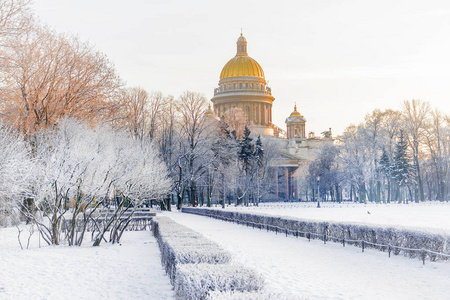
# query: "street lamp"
318,192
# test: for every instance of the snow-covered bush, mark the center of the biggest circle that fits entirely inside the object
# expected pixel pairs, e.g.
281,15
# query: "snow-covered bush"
395,237
195,281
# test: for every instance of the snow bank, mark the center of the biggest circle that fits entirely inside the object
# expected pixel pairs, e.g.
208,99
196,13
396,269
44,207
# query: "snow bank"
409,242
197,265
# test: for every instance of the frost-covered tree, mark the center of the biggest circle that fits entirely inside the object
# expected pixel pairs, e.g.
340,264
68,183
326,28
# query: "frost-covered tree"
415,118
325,166
194,145
266,152
15,172
437,140
356,158
78,168
135,173
225,154
167,138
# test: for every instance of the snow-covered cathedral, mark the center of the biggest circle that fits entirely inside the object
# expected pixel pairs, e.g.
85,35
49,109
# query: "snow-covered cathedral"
243,85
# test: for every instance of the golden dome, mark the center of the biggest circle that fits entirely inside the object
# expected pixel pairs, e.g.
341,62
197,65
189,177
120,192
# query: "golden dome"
209,111
242,39
242,64
295,112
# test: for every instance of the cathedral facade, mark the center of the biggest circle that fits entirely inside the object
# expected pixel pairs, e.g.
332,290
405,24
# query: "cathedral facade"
243,85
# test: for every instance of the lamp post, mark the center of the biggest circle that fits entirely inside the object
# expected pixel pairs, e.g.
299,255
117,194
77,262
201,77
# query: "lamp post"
318,192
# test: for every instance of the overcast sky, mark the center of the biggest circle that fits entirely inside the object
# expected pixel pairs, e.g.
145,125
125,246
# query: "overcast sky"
338,60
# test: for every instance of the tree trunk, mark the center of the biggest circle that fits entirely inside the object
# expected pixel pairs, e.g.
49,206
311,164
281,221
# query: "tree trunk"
179,200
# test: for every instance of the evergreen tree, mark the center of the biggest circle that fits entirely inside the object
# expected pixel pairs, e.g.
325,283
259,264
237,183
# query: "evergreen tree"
402,168
384,164
246,151
246,158
384,170
259,152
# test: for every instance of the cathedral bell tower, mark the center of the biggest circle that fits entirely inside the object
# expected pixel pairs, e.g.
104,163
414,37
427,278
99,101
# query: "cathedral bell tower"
296,125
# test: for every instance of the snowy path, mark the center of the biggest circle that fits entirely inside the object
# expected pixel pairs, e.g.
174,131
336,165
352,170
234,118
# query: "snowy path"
317,271
130,271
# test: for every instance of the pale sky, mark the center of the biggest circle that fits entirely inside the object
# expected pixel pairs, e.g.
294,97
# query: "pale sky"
338,60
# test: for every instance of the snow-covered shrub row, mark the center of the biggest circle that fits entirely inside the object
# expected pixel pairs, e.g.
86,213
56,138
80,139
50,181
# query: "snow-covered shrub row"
181,245
197,265
171,228
335,231
195,281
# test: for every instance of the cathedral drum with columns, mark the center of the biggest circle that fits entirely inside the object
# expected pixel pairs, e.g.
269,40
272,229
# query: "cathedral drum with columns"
242,85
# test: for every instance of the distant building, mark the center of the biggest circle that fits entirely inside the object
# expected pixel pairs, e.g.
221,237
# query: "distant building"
242,84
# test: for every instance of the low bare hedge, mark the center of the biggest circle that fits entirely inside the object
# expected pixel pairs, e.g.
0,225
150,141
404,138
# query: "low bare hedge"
336,231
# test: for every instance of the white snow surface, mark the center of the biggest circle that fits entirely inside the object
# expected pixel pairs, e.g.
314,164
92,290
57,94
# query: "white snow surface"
297,269
131,270
427,216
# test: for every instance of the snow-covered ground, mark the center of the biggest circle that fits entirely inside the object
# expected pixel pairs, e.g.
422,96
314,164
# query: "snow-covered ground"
428,216
293,268
297,268
131,270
